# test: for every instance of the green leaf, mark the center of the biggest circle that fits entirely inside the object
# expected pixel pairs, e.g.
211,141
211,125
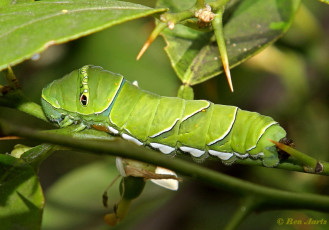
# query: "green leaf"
324,1
28,29
21,197
13,2
249,26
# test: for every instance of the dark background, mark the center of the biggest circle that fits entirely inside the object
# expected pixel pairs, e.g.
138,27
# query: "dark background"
288,81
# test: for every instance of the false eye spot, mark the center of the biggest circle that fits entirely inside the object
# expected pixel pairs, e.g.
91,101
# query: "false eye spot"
84,100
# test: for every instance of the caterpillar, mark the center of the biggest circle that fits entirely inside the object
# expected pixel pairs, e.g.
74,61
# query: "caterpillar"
96,98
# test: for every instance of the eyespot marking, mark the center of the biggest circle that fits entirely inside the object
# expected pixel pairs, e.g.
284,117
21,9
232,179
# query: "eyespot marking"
84,100
84,88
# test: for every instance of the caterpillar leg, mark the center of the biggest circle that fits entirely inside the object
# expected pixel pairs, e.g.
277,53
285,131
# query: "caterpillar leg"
271,157
230,161
66,122
80,127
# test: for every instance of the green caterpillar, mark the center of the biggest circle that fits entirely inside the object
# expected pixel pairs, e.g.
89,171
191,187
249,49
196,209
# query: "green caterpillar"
96,98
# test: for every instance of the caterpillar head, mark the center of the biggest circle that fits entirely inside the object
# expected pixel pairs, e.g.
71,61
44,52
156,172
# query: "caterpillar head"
88,90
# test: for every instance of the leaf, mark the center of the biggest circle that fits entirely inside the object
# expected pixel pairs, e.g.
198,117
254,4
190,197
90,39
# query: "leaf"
249,26
324,1
21,197
28,29
13,2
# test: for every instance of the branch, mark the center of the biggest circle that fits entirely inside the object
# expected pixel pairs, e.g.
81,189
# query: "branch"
17,100
216,5
269,197
11,96
248,206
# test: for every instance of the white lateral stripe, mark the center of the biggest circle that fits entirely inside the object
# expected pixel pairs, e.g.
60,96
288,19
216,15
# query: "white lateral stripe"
112,130
194,152
111,119
132,139
222,155
262,133
127,129
227,131
167,129
241,155
188,116
163,148
255,156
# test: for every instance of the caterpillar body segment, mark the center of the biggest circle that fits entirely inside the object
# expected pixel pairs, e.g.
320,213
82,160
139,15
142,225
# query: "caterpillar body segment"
100,99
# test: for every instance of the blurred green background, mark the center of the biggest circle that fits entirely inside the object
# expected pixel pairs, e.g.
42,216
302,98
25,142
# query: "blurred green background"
288,81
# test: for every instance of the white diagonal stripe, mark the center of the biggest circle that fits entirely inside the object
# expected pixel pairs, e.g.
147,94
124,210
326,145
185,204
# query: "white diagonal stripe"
227,131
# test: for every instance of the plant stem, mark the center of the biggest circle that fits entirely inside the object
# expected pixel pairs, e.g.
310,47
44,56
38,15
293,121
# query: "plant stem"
11,79
32,109
218,4
38,154
199,4
273,198
17,100
284,165
174,18
248,206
